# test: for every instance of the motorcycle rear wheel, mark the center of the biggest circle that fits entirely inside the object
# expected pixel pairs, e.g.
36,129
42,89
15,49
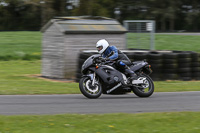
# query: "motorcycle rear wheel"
89,91
145,90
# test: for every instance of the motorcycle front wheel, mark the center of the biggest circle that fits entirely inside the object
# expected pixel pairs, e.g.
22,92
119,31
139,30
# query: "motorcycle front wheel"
89,90
146,89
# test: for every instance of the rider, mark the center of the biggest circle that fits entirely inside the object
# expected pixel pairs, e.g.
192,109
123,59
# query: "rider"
113,54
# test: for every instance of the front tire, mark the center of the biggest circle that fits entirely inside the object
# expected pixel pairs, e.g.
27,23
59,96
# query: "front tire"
146,89
89,91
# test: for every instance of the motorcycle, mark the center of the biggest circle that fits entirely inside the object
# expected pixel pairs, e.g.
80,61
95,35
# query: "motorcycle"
99,76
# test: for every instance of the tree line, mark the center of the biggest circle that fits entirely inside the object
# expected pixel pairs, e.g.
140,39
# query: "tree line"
170,15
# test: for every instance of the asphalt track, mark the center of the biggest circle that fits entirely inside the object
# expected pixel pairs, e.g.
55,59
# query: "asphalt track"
77,103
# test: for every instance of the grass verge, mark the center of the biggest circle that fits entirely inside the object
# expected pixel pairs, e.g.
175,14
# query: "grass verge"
15,79
178,122
165,42
24,45
177,42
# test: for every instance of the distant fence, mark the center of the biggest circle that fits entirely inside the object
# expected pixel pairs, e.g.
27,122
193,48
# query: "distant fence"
166,65
142,34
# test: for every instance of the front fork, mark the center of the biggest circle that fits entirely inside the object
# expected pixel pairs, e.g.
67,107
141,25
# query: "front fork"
94,78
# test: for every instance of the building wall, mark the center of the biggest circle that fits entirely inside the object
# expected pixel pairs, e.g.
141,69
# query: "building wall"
53,53
60,51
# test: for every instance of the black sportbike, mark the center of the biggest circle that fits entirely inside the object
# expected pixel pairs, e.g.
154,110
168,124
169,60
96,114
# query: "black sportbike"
99,76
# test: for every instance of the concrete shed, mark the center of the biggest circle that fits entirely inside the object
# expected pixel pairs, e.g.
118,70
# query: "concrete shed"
65,37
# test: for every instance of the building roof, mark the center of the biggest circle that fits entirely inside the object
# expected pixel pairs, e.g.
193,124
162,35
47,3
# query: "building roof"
85,24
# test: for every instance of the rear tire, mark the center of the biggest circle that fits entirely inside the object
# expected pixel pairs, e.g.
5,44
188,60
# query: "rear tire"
145,90
88,90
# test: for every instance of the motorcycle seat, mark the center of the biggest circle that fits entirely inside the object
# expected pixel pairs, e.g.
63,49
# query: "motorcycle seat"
136,62
128,63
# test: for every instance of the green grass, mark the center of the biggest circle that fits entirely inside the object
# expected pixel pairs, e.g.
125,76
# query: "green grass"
27,44
20,45
179,122
165,42
177,42
175,86
15,79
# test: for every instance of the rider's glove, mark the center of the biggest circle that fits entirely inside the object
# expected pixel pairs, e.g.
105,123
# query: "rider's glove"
104,59
107,59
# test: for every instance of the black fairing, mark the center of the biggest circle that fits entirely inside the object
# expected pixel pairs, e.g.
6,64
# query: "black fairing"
109,75
88,63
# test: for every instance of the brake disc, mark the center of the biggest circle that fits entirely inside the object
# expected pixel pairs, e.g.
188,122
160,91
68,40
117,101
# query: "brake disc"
88,86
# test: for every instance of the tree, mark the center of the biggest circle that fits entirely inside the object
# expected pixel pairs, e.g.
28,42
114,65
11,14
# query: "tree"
169,15
192,11
163,12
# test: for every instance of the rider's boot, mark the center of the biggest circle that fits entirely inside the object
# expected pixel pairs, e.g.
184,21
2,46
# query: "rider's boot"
132,74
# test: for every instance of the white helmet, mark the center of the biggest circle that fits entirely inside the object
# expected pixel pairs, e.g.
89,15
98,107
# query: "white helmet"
102,45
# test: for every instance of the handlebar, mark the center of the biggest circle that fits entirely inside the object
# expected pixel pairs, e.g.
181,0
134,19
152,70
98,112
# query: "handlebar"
101,60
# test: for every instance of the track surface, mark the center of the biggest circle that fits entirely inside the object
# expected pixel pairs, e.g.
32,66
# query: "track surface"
57,104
